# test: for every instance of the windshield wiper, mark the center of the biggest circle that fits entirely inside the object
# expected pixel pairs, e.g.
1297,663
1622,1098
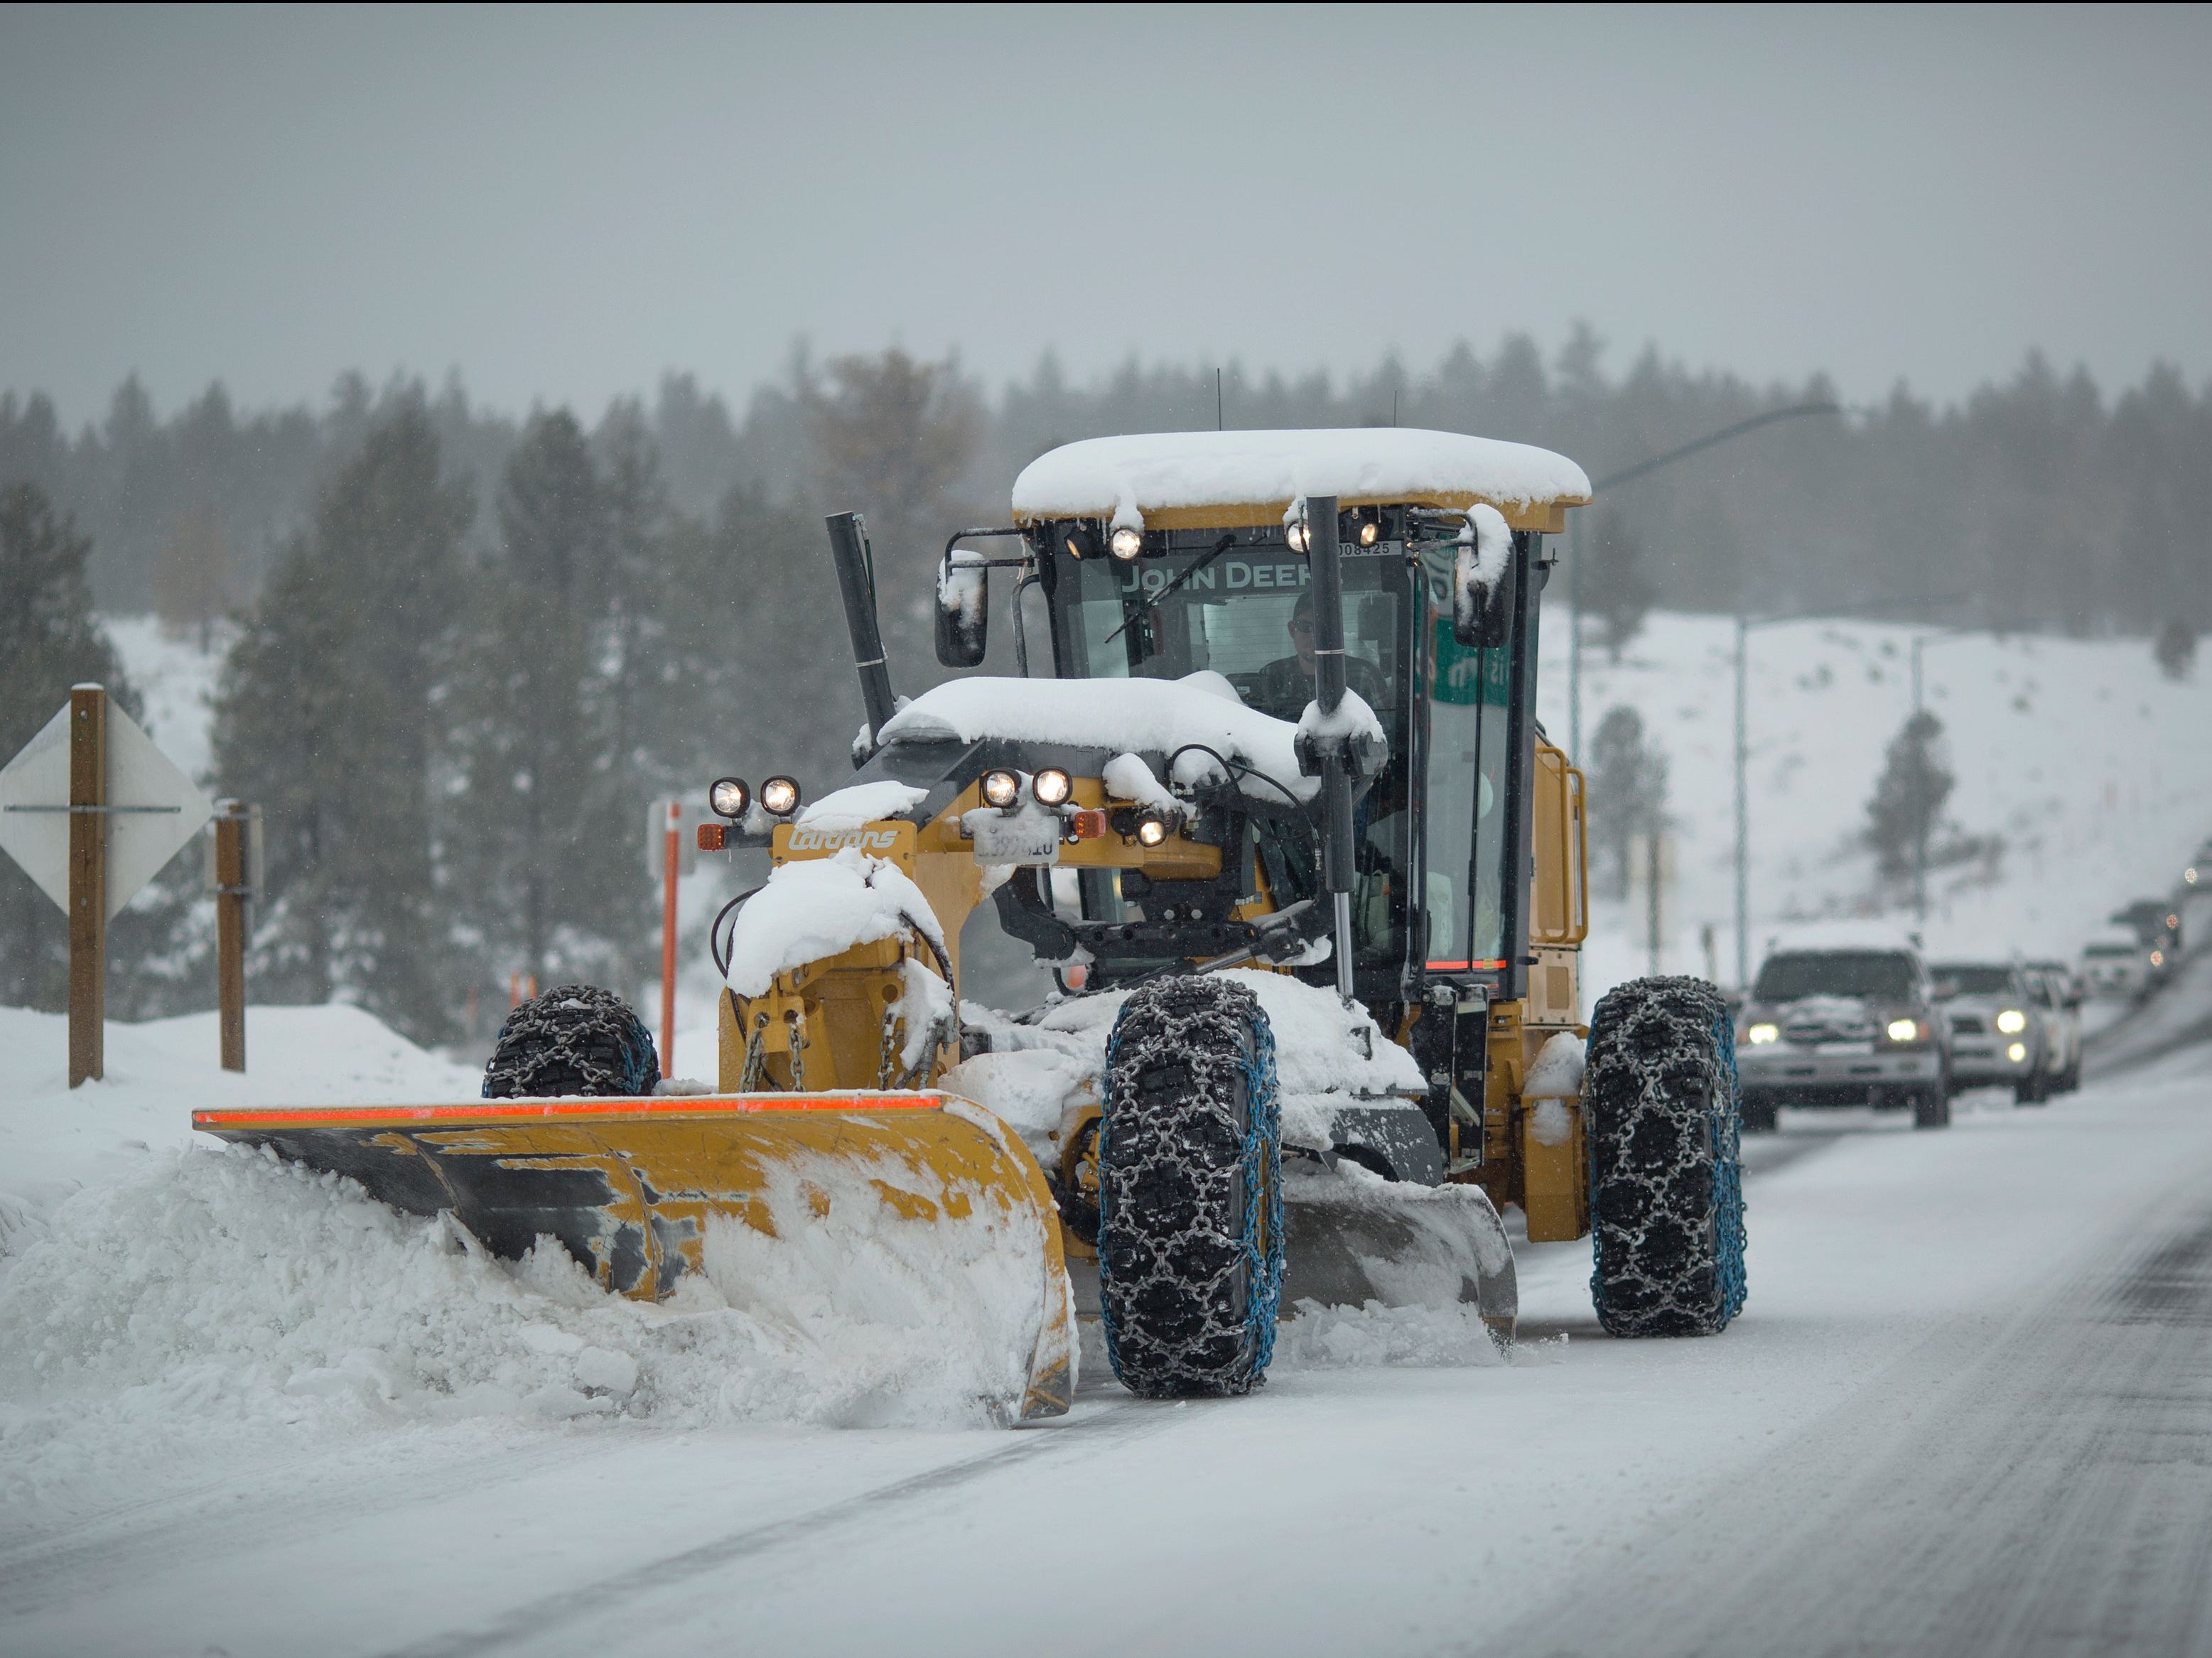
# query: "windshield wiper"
1157,598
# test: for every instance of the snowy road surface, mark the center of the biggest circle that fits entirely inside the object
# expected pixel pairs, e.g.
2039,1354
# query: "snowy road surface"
1967,1410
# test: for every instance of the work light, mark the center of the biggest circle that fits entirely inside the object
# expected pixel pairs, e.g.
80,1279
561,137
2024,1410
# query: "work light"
1151,831
728,796
779,797
1125,544
1052,786
1001,788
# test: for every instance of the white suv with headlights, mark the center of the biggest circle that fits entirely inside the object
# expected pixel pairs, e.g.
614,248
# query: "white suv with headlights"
1843,1026
1997,1036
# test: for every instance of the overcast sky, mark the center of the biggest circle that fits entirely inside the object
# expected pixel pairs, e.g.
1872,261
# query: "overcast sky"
559,205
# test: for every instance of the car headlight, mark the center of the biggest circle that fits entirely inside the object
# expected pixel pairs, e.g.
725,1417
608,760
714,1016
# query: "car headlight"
728,796
1759,1035
1904,1030
779,797
2017,1053
1001,789
1052,786
2012,1022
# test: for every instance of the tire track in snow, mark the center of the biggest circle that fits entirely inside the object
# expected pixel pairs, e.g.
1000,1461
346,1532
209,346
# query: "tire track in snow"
232,1516
521,1625
2047,1492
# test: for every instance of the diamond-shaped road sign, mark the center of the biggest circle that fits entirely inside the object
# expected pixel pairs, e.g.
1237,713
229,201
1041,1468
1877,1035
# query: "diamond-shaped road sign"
153,809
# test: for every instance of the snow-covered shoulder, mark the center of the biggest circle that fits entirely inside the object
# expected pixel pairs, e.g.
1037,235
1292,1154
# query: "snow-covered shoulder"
1145,715
1161,471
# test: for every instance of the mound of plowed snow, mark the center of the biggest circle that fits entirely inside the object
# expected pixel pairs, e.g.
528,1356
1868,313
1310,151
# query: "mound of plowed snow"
160,1298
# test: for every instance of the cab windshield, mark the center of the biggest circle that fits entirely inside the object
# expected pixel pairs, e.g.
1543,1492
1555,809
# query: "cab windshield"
1244,614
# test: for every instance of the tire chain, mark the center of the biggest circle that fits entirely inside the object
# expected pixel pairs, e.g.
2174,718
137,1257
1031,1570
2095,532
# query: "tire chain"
1190,1201
575,1039
1665,1173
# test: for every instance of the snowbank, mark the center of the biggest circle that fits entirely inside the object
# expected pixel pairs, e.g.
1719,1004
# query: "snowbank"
164,1296
1125,477
1153,716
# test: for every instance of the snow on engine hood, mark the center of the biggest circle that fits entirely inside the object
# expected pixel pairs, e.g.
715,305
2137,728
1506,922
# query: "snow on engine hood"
1143,715
1126,476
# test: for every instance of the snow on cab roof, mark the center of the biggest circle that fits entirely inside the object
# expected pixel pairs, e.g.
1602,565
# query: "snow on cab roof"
1197,480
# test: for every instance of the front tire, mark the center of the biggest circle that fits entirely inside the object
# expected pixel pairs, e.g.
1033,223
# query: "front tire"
1666,1181
1190,1205
575,1039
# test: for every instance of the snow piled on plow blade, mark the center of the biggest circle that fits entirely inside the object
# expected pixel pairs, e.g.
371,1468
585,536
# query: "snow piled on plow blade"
223,1292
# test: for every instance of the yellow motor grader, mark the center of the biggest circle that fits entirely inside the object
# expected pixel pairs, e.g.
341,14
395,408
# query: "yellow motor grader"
1283,823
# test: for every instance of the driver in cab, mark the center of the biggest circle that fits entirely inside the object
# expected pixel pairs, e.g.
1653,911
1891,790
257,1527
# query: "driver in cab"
1286,685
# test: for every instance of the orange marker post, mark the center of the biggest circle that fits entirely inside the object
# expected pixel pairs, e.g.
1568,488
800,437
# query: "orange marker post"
670,870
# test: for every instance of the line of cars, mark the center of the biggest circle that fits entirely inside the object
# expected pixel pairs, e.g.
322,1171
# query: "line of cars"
1858,1017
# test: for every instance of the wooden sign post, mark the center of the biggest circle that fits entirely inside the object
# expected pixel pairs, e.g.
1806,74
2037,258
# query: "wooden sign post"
91,810
88,883
235,877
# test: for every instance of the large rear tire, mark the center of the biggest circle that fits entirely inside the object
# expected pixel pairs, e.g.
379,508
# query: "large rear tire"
1661,1091
1190,1205
575,1039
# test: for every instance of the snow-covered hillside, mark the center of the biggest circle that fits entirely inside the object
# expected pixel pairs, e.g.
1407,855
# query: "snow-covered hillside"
2093,766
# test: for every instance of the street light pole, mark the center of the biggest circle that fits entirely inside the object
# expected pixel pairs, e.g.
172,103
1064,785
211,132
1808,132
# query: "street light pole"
1744,624
1578,541
1742,811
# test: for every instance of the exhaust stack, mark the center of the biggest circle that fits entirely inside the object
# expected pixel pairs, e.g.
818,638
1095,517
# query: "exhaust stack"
856,585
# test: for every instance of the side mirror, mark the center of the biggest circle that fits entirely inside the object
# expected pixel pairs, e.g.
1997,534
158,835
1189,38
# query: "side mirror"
963,598
1482,560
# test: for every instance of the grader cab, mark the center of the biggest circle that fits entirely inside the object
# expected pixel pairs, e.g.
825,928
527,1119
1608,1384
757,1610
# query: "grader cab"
1283,823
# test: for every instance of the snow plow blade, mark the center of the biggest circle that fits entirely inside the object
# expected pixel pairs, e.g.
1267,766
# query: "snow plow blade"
643,1192
1350,1237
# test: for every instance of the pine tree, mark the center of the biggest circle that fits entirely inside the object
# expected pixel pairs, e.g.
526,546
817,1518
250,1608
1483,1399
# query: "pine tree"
1627,796
894,439
191,572
1908,799
543,812
49,641
327,718
1616,589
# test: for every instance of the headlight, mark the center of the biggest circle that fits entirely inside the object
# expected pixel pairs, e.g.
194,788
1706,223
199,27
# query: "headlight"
779,797
2157,958
1125,544
1295,535
1759,1035
2017,1053
1369,532
1151,831
1904,1030
2012,1022
728,796
1001,788
2190,875
1052,786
